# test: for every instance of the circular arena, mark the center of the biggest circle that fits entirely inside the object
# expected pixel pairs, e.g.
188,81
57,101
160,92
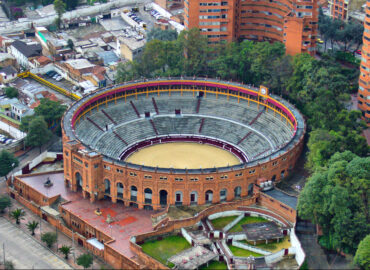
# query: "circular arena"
180,141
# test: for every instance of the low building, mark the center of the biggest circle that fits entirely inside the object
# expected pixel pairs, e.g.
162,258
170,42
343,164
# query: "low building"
41,61
79,70
51,43
24,53
8,74
129,47
19,111
7,59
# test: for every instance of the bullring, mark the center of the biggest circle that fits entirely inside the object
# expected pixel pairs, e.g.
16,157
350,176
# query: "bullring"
102,129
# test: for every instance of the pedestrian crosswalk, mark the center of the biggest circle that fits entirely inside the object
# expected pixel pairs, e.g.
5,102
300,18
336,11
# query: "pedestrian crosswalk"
24,251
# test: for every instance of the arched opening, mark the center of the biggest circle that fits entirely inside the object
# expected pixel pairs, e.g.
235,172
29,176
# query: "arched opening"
282,174
209,196
148,195
273,178
237,192
133,193
178,198
79,181
120,190
250,189
194,197
163,197
107,186
223,195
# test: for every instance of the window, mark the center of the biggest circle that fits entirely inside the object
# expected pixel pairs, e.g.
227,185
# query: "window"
179,179
162,178
195,179
77,159
119,171
86,165
107,167
209,178
66,153
96,165
224,176
252,171
238,174
147,176
133,174
274,163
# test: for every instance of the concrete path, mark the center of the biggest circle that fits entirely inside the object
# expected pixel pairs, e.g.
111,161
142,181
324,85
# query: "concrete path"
24,251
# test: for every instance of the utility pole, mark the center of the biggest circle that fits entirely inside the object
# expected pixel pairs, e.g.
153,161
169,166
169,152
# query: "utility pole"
56,232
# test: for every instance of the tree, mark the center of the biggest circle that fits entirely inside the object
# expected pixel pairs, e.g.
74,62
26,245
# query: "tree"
38,133
71,4
163,35
7,163
11,92
85,260
70,44
196,52
4,203
17,214
60,8
362,257
336,198
32,226
52,111
49,238
66,250
9,265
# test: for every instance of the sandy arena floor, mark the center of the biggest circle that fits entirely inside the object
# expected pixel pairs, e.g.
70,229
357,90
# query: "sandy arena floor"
183,155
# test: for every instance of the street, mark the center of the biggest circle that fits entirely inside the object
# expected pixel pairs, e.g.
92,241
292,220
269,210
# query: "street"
24,251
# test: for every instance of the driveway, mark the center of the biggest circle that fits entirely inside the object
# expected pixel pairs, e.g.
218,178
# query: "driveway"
24,251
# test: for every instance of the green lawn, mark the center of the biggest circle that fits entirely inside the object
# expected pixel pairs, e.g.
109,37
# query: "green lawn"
162,250
246,220
214,265
273,246
240,252
220,223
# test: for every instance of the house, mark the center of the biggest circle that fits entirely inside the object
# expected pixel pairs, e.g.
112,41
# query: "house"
79,70
51,43
129,47
6,105
41,61
19,111
7,59
24,53
8,74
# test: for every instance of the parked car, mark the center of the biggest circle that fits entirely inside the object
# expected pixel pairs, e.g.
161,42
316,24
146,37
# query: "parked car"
319,40
59,78
358,52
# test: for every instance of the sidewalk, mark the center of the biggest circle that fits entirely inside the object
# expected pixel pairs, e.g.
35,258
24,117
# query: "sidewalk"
62,238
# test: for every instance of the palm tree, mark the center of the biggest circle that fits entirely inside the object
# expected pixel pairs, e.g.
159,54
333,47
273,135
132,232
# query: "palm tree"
32,226
17,214
65,250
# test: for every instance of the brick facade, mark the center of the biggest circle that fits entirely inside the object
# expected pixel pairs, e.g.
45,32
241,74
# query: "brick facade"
292,22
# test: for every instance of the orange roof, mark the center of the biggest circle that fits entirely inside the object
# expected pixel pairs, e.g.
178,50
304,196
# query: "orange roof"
43,60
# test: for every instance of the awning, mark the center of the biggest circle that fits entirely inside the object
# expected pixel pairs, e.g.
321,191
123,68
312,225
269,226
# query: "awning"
95,243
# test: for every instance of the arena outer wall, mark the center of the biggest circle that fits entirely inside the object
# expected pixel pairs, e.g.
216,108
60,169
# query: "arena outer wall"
93,168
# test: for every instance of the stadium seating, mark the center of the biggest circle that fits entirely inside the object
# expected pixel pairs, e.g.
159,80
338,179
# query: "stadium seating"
224,119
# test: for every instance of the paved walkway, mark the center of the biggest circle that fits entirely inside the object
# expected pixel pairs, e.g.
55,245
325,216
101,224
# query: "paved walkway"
24,251
46,227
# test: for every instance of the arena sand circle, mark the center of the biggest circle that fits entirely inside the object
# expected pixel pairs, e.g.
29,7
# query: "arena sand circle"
183,155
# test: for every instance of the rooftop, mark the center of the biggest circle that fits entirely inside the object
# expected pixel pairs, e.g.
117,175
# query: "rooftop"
127,221
8,70
262,231
27,50
4,56
132,43
37,181
291,201
193,257
79,63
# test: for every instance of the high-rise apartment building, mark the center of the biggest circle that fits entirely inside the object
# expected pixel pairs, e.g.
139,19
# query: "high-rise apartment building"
339,9
293,22
364,80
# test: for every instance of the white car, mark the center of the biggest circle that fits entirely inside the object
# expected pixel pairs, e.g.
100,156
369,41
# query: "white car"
56,76
59,78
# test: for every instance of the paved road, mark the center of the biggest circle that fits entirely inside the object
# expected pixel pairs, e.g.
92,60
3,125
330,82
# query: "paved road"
24,251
